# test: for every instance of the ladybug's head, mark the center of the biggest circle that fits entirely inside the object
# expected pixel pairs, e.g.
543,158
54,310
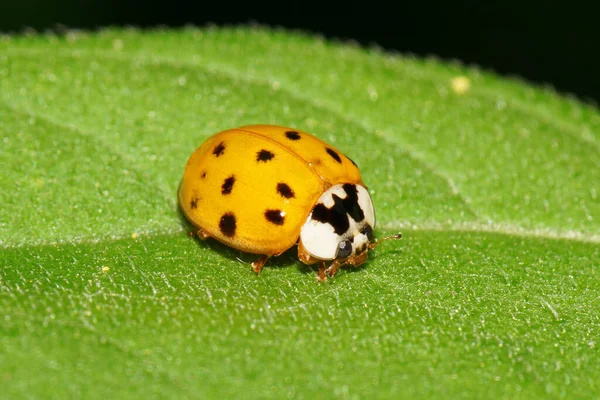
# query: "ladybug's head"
340,227
356,246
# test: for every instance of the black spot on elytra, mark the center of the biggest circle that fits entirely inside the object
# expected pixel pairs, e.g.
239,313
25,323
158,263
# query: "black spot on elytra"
219,149
333,154
203,175
227,224
284,190
275,217
228,185
264,155
292,135
337,216
194,203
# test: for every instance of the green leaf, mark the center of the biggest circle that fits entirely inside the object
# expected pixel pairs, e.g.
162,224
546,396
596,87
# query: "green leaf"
493,292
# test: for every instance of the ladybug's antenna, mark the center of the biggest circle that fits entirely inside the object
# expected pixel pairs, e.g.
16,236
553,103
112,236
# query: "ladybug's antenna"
397,236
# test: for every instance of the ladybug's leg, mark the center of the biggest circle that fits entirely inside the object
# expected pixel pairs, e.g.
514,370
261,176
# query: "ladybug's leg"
202,234
258,264
333,268
321,277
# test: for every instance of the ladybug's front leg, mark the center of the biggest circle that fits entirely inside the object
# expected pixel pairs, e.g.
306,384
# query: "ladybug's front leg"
258,264
321,277
333,268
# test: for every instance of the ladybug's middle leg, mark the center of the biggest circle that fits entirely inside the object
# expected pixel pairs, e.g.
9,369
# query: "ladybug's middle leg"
258,264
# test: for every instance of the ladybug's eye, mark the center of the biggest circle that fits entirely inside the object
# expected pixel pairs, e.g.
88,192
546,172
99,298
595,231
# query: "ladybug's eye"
345,249
368,232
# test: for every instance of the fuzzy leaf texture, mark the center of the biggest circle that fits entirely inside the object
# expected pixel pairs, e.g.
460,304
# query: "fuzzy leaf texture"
495,184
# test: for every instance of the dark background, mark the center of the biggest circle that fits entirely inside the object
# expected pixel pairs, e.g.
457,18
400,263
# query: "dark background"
547,42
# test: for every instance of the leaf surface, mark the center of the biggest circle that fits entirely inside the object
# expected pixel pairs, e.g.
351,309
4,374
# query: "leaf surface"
492,292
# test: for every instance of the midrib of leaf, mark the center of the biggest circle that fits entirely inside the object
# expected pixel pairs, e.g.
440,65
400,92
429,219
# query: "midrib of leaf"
387,228
327,105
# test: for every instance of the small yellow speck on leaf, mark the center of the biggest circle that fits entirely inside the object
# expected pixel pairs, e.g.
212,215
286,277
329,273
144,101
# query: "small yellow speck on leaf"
461,84
118,44
134,235
105,269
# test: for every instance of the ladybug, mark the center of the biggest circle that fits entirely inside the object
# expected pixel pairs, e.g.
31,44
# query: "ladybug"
262,189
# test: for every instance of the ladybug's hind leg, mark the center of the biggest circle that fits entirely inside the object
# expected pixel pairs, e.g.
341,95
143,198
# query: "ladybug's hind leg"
258,264
202,234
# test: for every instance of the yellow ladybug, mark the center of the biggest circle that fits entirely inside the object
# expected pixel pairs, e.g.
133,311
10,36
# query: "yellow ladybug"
262,189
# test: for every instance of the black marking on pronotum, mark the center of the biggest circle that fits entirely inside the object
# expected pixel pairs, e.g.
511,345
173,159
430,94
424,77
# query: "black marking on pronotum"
264,155
351,202
337,215
228,185
219,149
292,135
368,232
227,224
285,190
194,203
275,217
361,249
333,154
